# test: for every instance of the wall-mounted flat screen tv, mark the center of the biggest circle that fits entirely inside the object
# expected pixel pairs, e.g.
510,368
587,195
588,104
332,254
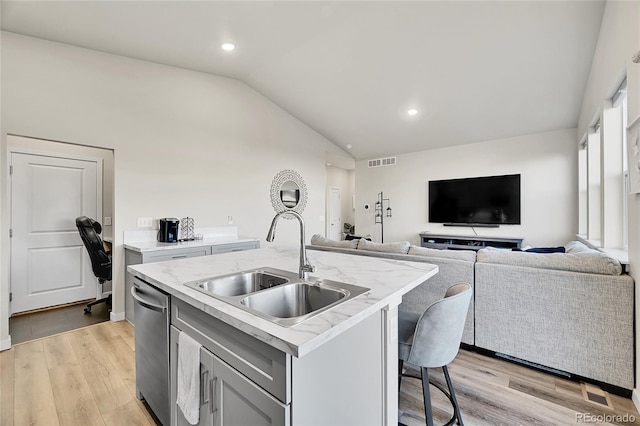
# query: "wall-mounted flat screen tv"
488,200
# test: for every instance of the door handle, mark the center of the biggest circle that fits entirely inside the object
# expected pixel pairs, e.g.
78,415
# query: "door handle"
212,392
203,387
148,305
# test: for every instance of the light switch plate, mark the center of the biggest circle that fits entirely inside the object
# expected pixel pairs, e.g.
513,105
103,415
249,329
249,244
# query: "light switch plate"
107,221
145,222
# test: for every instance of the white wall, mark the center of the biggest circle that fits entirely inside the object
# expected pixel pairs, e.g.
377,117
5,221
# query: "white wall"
547,163
619,39
343,179
185,143
616,44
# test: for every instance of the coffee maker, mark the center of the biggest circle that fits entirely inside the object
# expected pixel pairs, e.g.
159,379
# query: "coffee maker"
168,232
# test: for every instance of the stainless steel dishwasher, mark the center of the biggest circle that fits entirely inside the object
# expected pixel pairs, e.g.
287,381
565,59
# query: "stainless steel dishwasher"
151,311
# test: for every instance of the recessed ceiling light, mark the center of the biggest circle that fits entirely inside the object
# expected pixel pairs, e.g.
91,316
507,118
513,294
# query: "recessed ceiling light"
228,46
349,146
328,164
412,111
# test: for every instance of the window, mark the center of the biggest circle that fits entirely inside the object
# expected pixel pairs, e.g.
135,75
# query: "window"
620,99
583,188
603,177
594,199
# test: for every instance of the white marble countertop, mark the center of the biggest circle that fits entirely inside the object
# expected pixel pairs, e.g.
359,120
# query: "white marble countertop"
388,280
147,246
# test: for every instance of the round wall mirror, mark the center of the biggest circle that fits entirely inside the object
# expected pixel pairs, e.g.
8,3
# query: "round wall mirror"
288,192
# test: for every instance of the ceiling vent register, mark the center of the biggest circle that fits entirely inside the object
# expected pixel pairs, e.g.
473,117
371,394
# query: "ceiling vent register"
380,162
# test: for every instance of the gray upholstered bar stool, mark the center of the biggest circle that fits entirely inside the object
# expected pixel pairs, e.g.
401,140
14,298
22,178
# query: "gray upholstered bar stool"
432,339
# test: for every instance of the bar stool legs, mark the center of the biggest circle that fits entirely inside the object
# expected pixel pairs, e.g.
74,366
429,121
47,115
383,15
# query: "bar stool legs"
426,394
432,340
452,397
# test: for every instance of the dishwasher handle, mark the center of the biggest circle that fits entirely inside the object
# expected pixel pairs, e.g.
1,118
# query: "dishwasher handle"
146,304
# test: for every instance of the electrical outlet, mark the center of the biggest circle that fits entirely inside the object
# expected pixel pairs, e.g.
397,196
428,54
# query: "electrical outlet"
145,222
107,221
230,220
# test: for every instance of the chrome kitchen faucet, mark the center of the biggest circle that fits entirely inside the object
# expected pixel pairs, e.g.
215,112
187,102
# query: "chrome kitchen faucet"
305,266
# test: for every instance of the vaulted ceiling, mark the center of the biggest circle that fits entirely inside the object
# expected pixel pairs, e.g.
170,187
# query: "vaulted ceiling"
474,71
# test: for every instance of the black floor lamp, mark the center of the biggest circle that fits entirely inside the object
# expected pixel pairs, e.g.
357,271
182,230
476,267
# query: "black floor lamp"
381,213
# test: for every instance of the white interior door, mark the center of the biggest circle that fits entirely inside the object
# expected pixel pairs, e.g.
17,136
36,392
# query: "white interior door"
335,221
49,263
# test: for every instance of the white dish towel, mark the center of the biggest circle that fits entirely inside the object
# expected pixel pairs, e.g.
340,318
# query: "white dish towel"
189,378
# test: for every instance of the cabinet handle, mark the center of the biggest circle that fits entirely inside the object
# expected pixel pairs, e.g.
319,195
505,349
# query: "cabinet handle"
212,392
178,257
237,249
203,388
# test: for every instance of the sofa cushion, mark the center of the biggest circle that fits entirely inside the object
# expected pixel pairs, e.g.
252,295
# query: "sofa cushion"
579,247
319,240
593,262
468,255
543,250
399,247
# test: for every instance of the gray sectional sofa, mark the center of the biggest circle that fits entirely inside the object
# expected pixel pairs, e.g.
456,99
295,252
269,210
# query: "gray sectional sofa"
572,312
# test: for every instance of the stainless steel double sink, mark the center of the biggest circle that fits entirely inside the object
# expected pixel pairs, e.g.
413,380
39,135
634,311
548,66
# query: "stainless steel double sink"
277,295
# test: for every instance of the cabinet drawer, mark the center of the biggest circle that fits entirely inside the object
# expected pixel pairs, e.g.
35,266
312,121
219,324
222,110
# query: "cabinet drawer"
173,254
226,248
261,363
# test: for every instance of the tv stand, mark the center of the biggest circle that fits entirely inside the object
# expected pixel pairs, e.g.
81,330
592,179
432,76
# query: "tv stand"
461,242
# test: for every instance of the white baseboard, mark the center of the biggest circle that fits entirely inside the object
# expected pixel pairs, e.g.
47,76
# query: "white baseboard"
5,344
635,397
119,316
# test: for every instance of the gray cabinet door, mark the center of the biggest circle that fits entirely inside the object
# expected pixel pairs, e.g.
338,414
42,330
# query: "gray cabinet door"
207,381
240,402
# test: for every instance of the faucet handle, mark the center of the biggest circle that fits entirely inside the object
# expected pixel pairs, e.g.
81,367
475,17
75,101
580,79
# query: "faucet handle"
305,269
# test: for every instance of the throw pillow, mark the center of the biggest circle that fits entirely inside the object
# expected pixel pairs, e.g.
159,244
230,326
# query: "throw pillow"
579,247
559,249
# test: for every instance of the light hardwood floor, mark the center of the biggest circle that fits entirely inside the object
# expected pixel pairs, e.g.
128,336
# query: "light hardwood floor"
492,392
81,377
87,377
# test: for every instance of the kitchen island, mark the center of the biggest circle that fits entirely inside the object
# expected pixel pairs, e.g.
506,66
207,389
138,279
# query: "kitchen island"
339,367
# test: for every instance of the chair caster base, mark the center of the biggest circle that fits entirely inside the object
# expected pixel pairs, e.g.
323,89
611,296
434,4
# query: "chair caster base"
87,310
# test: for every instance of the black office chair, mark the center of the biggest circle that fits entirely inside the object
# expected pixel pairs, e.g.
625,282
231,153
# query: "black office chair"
90,231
